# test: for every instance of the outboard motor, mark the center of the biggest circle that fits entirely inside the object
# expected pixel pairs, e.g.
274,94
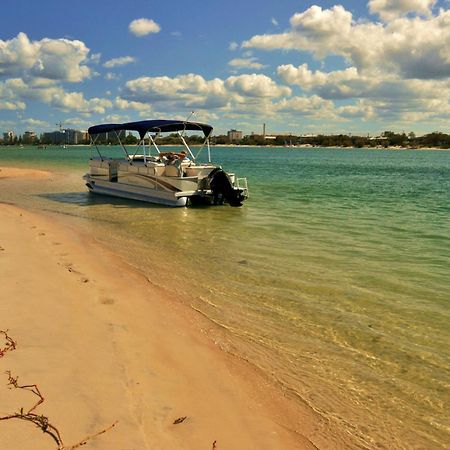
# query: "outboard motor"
223,189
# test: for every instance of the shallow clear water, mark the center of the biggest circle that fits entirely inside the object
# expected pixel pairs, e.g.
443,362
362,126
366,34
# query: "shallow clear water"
333,278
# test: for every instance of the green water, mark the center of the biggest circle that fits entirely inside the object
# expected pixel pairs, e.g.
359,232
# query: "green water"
333,278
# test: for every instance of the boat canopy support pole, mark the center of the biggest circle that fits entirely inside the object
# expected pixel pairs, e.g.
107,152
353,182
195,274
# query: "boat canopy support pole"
205,142
186,146
123,146
153,141
93,142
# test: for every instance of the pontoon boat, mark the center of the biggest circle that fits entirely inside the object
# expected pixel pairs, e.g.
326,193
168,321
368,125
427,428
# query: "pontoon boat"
168,178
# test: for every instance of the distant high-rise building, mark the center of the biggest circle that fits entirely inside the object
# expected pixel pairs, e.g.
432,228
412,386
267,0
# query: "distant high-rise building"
8,137
234,135
54,137
74,137
29,137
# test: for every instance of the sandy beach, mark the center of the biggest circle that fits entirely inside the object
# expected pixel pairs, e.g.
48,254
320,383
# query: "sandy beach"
105,345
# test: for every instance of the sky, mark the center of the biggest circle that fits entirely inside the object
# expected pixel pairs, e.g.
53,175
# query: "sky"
300,67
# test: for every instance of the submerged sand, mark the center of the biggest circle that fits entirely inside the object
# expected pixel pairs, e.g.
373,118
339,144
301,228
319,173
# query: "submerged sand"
14,172
105,345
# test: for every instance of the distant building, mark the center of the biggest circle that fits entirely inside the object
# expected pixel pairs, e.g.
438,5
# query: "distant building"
29,137
75,137
54,137
8,137
234,135
63,137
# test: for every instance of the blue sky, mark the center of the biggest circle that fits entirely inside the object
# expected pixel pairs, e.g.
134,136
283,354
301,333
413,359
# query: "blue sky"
298,66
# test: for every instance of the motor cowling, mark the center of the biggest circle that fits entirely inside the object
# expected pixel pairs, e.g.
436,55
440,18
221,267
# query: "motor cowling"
223,189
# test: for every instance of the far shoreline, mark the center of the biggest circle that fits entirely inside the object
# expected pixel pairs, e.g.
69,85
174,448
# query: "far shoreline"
246,146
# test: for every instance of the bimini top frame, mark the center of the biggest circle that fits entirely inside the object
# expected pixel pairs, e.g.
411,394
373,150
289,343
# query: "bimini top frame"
154,126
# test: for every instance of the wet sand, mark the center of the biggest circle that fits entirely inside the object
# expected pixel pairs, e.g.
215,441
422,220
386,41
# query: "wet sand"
105,345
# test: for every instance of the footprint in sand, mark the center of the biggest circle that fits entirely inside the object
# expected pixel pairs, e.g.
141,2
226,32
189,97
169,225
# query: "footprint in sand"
70,268
107,301
41,234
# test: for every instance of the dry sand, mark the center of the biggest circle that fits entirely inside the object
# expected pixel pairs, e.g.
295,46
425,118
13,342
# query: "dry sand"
103,345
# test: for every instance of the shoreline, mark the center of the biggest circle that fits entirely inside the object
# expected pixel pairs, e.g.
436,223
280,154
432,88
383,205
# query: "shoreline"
104,344
293,147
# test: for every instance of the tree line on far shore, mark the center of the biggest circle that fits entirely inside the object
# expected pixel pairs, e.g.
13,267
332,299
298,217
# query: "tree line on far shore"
386,139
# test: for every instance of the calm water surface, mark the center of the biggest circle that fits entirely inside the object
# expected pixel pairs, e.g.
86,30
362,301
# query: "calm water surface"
333,278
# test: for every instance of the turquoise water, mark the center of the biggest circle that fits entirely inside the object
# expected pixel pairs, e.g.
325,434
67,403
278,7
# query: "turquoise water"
333,278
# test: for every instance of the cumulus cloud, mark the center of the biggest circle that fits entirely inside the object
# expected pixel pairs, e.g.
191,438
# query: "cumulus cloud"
15,90
142,27
259,86
116,62
246,63
112,76
233,46
408,47
33,123
190,90
252,94
53,59
75,101
391,9
313,106
125,104
12,105
340,84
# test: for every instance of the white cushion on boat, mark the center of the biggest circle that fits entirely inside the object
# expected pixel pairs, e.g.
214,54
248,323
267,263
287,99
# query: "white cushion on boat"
172,171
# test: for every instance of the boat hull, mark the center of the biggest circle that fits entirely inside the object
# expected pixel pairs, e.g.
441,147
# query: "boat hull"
145,194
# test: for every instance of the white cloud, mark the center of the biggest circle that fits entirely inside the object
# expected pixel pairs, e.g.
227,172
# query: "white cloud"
12,105
274,21
362,109
125,104
142,27
53,59
95,58
35,123
338,84
245,63
407,47
15,90
190,90
233,46
74,101
313,106
116,62
391,9
112,76
244,94
256,86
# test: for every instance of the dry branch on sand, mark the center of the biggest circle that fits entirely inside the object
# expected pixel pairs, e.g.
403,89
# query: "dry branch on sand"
40,421
9,345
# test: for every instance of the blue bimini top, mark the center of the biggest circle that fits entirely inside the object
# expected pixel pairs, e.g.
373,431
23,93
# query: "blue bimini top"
154,126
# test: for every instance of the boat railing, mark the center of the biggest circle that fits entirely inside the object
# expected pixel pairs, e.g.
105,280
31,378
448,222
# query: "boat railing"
241,183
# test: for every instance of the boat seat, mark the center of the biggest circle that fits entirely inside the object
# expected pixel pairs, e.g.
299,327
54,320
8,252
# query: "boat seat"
172,171
159,170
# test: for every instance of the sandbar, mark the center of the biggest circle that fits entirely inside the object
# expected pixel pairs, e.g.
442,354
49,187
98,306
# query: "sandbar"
104,345
14,172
